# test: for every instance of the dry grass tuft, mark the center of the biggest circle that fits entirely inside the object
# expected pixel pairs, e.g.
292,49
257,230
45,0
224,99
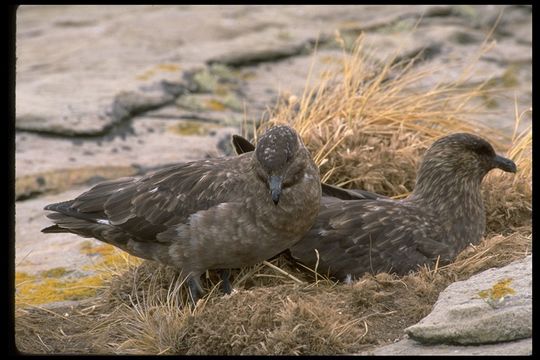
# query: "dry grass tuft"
508,199
282,317
369,129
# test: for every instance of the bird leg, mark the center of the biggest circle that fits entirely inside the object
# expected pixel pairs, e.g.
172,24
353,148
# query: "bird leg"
195,289
225,283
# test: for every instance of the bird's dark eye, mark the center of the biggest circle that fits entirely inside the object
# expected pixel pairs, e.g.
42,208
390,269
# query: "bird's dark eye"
293,178
287,183
483,149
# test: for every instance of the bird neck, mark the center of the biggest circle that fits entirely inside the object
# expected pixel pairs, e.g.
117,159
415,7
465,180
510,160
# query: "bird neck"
448,192
456,201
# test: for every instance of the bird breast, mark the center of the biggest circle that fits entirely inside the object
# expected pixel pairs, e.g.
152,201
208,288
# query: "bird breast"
237,234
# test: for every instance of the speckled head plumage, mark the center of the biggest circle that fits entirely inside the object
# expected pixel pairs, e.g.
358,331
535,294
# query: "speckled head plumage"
276,148
280,158
461,156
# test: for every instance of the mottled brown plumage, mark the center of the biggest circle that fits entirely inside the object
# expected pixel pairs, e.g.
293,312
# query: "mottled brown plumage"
444,213
213,214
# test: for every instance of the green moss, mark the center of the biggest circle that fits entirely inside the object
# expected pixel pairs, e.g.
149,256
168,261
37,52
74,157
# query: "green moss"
233,120
491,103
509,77
348,41
221,90
145,75
232,102
248,75
223,72
209,79
284,35
398,26
466,11
206,82
191,102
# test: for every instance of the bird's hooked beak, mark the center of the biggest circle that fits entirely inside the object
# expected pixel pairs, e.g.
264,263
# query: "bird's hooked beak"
275,183
504,164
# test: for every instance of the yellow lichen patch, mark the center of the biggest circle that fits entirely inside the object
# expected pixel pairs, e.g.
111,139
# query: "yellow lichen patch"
55,272
104,249
189,128
169,67
497,292
109,258
146,75
215,105
53,284
21,277
161,67
41,291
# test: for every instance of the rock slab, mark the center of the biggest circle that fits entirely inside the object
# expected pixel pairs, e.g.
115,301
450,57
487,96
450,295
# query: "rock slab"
408,347
474,312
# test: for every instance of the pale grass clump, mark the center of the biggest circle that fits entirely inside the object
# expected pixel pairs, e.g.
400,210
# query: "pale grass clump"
508,198
369,129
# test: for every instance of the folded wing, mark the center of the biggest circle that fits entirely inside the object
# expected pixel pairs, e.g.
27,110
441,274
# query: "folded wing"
355,237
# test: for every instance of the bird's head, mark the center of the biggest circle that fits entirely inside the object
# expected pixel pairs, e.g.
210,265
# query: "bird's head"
280,159
469,153
461,156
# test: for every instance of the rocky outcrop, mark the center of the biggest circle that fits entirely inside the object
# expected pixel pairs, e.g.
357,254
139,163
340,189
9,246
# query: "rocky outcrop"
488,314
493,306
409,347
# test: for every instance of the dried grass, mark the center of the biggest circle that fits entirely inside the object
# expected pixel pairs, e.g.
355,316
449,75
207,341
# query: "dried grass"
508,199
369,130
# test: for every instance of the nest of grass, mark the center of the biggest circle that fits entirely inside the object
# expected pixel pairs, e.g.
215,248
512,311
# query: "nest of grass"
147,311
367,128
